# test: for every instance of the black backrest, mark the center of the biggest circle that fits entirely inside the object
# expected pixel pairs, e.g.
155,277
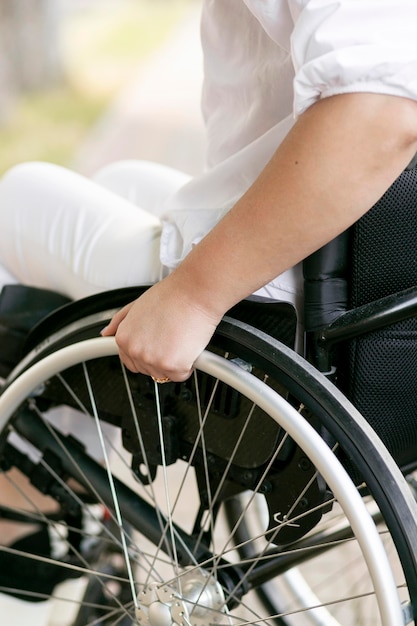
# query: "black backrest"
383,364
383,257
380,258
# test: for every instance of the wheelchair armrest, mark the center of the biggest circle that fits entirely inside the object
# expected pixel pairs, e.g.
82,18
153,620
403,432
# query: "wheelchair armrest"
396,307
393,308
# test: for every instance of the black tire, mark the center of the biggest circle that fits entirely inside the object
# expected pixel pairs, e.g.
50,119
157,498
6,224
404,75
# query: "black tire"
266,460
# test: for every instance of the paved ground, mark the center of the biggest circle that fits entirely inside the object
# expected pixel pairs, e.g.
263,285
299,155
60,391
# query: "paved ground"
157,117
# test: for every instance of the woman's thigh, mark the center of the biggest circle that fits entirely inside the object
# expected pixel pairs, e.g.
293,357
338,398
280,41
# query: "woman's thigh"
62,231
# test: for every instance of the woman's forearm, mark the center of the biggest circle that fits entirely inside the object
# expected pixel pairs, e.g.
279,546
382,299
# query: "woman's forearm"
340,157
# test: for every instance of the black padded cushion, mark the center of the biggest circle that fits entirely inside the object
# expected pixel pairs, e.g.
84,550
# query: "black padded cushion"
383,364
21,307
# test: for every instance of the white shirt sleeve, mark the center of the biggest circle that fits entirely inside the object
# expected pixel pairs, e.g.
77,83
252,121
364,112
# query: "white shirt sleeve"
346,46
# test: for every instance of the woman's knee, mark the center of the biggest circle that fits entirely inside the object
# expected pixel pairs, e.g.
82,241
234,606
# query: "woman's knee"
24,179
144,183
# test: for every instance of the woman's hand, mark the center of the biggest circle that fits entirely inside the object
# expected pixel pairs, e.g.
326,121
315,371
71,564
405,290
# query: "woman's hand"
296,205
162,332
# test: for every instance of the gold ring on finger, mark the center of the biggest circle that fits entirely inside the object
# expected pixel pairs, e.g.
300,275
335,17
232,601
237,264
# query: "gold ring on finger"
160,380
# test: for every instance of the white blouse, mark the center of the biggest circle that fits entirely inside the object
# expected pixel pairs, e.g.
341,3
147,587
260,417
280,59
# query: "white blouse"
265,62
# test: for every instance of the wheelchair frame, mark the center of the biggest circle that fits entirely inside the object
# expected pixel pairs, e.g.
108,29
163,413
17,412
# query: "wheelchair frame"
308,436
305,383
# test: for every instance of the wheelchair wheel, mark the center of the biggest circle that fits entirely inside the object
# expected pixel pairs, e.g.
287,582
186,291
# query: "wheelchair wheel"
209,492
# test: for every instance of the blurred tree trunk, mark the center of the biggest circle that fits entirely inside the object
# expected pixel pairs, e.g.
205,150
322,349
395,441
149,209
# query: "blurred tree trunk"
29,47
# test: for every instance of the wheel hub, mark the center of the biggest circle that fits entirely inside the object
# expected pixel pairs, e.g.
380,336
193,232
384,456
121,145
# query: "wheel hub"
197,600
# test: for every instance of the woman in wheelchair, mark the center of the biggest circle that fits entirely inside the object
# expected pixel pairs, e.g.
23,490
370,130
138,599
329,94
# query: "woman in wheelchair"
311,113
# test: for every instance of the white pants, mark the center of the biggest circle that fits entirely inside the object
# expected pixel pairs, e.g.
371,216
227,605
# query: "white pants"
61,231
64,232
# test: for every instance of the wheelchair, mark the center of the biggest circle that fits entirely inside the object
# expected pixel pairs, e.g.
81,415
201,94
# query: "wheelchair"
269,488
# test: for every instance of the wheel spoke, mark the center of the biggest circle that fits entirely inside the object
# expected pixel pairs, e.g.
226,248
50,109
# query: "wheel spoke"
180,561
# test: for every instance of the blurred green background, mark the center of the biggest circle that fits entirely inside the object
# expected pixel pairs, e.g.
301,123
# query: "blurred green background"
63,61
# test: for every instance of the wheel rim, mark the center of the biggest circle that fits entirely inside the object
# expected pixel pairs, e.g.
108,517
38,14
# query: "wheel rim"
296,427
